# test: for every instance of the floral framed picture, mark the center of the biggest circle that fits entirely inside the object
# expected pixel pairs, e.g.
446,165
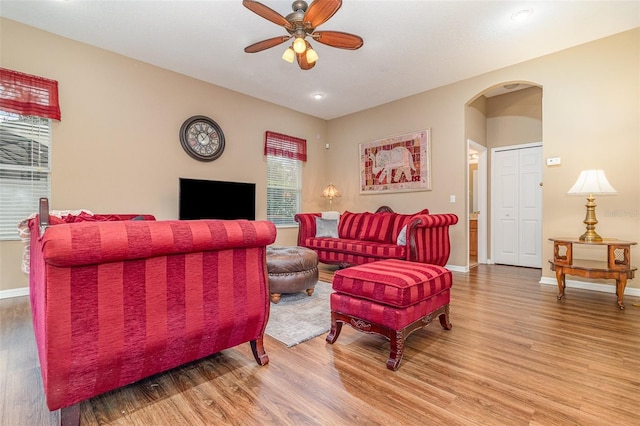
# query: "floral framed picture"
395,164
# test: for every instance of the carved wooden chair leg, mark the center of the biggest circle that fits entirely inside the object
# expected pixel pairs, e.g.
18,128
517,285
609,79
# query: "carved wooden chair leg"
397,349
257,347
336,327
444,319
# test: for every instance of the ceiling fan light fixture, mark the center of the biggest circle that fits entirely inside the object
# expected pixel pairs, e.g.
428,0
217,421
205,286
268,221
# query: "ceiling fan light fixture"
289,55
300,24
312,56
299,45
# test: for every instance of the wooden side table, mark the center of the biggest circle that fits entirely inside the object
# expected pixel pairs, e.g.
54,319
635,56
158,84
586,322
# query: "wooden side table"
617,266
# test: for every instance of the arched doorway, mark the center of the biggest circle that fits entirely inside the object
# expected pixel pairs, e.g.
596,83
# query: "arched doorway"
506,114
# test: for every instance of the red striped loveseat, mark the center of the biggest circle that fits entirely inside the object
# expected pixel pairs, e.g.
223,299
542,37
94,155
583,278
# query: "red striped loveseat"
117,300
367,237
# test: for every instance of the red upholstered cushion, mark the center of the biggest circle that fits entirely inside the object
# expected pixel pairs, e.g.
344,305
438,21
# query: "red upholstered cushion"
376,227
343,248
307,223
400,221
389,316
393,282
348,226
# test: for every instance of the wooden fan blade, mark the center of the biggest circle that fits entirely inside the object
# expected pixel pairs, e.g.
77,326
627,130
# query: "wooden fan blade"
267,13
302,60
265,44
338,39
320,11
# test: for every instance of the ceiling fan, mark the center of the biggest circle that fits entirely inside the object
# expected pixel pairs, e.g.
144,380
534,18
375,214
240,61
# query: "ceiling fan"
302,22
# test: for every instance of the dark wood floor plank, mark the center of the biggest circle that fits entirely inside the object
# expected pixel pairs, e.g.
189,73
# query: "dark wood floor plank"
515,356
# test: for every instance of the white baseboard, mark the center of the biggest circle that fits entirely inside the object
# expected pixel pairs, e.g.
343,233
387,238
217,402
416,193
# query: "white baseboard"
457,268
605,288
14,292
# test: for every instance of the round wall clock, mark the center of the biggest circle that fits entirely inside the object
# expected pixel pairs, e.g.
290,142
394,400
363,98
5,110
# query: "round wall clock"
202,138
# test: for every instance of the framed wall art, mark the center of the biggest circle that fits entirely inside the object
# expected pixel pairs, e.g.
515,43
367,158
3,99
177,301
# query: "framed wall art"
398,163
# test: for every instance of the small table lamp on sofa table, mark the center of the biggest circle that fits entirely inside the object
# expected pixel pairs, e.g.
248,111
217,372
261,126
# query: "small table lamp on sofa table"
330,192
590,183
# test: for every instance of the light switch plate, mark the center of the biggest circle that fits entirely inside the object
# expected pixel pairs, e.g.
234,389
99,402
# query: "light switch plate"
553,161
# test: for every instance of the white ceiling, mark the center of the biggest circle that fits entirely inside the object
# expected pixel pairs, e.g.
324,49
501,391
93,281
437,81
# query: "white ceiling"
409,46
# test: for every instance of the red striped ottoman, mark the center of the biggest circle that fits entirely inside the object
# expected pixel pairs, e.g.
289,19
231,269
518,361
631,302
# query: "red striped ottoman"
392,298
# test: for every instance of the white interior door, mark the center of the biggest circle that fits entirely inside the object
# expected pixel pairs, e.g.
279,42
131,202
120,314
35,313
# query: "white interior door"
517,205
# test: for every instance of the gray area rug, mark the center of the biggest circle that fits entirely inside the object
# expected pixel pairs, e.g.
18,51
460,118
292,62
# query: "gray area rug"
297,317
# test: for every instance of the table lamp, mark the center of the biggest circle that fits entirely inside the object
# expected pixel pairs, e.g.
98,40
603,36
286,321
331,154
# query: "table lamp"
590,183
330,192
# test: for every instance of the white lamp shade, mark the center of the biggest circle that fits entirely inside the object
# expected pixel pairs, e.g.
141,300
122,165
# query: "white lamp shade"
331,192
299,45
591,182
289,55
312,56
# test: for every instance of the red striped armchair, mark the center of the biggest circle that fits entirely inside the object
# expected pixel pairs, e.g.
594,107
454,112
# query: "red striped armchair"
117,300
368,237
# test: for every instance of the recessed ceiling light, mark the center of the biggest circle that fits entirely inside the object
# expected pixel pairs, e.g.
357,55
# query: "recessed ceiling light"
521,15
318,96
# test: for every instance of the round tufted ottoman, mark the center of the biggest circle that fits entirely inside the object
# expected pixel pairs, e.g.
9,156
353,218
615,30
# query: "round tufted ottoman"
291,269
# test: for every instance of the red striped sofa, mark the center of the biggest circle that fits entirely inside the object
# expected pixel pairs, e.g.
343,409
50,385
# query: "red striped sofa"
117,300
368,237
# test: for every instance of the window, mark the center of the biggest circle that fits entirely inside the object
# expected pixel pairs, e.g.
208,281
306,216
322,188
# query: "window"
27,105
283,189
24,169
285,155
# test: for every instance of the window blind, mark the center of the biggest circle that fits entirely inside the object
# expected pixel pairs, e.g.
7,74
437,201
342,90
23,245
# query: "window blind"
285,155
283,189
27,94
24,169
28,103
280,145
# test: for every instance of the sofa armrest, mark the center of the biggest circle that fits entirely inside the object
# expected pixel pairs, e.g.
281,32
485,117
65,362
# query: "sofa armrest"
306,226
428,238
88,243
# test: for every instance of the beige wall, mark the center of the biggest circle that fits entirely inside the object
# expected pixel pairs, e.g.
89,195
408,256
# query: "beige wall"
590,116
514,118
123,155
476,121
442,111
116,149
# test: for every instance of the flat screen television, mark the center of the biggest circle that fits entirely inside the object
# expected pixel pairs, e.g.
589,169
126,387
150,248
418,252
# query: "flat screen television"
212,199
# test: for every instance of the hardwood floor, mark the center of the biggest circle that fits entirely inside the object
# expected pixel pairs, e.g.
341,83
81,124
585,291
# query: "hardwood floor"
515,356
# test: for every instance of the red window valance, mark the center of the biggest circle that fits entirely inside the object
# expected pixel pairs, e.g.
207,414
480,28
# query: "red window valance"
285,146
27,94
